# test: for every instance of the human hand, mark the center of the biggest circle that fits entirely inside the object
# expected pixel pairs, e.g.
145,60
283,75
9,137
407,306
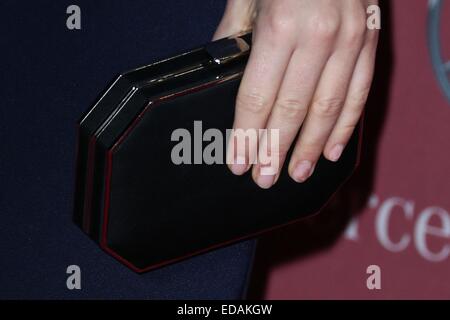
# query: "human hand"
309,74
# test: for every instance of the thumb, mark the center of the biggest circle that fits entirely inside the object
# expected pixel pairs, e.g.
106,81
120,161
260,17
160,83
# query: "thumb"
238,17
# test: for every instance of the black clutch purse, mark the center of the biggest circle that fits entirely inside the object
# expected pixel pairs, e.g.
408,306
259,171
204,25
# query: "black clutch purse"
147,211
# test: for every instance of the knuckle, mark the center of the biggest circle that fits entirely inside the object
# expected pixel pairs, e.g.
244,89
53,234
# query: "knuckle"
277,153
355,31
290,108
357,100
280,22
308,150
254,103
327,107
324,27
346,129
281,26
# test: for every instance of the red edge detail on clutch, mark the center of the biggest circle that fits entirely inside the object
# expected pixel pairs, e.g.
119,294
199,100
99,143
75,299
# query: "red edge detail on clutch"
87,208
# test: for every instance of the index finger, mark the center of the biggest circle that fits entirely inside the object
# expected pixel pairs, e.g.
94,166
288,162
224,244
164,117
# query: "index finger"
262,78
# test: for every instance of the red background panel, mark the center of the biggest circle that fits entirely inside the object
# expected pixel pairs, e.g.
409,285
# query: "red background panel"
394,212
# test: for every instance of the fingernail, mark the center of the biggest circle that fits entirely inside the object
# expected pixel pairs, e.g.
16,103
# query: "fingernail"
267,171
239,167
336,152
303,171
265,181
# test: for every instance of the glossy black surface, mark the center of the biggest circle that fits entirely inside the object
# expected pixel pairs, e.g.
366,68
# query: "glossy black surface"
158,212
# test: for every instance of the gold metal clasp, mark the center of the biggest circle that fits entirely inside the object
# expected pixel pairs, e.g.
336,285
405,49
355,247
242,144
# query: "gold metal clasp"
224,50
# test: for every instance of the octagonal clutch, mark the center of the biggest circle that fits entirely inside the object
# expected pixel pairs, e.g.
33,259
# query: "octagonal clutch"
147,211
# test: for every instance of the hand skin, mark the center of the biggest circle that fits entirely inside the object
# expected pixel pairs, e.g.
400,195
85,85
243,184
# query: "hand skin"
310,70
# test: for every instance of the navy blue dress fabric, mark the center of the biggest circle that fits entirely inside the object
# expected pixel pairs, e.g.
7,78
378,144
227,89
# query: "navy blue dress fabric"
49,76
